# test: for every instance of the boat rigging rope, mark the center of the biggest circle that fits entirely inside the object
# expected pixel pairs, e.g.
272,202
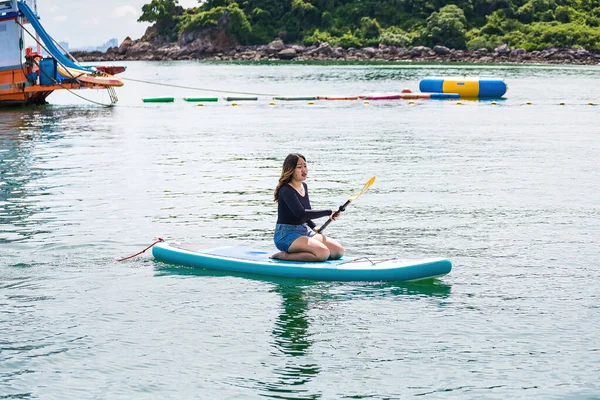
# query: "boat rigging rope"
137,254
139,80
59,83
200,89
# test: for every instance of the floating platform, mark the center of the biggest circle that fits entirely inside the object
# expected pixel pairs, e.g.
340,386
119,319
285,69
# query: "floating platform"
473,88
411,96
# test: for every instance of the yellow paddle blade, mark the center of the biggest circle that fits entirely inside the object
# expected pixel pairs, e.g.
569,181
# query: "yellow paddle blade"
364,189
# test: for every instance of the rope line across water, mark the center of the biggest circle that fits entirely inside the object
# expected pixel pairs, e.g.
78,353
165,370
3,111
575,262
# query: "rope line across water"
199,89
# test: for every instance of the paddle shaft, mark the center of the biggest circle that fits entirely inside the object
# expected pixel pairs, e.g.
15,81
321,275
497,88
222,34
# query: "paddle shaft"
341,209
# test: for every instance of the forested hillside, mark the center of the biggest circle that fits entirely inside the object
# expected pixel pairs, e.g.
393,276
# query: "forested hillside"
460,24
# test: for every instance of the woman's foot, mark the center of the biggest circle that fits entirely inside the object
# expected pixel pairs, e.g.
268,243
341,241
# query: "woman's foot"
279,256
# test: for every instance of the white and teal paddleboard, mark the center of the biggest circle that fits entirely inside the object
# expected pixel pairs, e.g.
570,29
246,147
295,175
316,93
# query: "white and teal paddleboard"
252,261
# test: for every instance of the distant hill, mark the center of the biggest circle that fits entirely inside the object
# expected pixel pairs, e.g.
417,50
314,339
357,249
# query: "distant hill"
461,24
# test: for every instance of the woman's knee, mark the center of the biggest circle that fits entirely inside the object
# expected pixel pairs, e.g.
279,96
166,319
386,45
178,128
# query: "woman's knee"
336,254
322,253
336,250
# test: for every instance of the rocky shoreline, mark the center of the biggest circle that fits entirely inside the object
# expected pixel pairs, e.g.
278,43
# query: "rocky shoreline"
224,50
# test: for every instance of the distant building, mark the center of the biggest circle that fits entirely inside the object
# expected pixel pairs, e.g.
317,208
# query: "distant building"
111,43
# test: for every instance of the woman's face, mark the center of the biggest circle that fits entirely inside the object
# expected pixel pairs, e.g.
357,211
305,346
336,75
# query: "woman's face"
301,171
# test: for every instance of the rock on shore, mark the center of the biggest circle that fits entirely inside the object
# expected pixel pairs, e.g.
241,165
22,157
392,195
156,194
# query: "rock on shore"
211,47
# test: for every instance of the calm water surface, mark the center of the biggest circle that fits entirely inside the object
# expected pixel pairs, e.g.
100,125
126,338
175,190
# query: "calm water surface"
509,192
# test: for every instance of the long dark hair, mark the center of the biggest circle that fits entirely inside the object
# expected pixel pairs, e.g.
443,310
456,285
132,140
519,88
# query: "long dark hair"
287,171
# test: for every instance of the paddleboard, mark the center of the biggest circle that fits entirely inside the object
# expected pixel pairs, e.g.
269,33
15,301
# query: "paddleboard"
256,261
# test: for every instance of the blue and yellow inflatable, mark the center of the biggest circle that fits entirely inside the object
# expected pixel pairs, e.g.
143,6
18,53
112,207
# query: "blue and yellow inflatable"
475,88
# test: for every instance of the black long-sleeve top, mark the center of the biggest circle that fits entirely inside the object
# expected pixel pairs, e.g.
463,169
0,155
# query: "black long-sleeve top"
293,209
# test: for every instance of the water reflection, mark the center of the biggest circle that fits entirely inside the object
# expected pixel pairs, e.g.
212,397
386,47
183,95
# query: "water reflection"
321,291
291,336
291,339
23,133
16,173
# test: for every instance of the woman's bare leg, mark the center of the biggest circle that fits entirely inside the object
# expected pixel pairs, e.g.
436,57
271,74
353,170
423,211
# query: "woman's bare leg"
336,251
304,249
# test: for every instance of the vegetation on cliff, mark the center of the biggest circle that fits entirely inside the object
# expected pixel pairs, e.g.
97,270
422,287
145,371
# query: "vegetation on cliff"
458,24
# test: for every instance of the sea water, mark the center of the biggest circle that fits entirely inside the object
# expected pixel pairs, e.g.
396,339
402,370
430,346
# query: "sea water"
508,191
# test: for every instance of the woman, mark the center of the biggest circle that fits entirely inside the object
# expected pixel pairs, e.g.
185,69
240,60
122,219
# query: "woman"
295,233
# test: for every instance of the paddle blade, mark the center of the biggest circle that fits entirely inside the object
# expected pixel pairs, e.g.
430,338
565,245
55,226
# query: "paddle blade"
364,189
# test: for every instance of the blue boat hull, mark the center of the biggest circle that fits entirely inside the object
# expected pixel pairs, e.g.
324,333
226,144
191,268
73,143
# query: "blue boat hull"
252,261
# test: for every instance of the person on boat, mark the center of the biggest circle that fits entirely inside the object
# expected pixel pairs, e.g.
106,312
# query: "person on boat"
296,234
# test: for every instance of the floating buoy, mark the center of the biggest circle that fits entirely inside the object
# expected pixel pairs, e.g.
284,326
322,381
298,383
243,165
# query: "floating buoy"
367,102
529,103
295,98
562,103
311,103
494,103
411,102
337,97
590,104
201,99
200,105
234,104
406,90
459,103
253,98
158,99
272,103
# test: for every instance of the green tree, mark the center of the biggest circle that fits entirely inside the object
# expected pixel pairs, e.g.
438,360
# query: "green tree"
531,24
236,22
447,27
370,28
163,13
394,36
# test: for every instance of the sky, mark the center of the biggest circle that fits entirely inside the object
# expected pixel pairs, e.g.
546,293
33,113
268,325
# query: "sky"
86,23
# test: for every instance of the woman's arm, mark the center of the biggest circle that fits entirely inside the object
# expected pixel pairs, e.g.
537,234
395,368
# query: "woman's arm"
288,196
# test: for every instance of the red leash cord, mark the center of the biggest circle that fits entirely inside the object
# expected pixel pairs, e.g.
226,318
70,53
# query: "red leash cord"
137,254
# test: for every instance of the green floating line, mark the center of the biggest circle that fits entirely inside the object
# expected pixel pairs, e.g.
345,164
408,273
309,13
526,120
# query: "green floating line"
201,99
240,98
295,98
158,99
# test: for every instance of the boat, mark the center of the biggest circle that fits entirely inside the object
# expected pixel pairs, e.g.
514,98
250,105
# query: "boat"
26,75
241,259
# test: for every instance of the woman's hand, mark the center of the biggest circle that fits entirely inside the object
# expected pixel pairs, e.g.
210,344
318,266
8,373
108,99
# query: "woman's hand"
335,215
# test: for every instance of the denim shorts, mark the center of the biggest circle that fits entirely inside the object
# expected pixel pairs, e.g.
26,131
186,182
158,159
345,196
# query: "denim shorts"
286,234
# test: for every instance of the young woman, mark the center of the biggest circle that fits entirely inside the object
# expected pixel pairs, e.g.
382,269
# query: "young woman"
295,233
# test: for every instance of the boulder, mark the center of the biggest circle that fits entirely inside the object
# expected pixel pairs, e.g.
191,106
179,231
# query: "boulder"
275,46
125,45
287,54
419,51
441,50
502,50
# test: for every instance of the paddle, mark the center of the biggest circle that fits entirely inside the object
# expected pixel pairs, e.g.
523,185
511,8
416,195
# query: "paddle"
350,200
